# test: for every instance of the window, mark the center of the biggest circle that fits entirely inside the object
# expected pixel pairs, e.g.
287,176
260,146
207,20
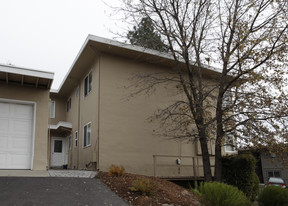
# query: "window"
227,98
69,142
77,91
87,135
52,109
229,144
274,174
58,146
68,105
88,84
76,139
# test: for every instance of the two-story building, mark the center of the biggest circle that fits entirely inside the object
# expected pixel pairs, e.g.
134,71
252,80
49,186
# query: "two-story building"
92,124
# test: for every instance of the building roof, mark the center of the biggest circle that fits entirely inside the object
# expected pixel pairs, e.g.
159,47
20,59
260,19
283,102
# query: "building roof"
25,77
94,45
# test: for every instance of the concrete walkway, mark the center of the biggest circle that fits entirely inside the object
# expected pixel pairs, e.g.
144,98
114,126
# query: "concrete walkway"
47,191
49,173
72,173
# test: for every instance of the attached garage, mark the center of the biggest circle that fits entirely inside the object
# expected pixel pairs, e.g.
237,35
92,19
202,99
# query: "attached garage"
24,110
16,135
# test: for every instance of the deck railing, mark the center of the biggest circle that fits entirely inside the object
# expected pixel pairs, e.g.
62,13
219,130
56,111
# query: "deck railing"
195,164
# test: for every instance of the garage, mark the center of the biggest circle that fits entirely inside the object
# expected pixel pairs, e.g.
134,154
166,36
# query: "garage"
16,135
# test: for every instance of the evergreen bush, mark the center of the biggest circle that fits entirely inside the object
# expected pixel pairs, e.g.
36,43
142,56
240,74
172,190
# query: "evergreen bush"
273,196
239,171
220,194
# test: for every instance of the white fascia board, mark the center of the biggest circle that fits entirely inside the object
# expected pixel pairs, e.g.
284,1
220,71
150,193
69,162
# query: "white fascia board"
144,50
54,91
61,124
26,72
74,62
124,46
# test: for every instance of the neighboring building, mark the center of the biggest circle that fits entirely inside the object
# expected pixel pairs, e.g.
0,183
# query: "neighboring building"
92,125
274,166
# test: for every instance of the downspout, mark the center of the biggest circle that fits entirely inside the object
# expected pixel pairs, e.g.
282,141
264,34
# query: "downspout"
49,137
98,130
78,130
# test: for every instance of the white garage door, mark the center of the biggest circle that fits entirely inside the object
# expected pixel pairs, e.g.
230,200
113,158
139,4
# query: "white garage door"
16,135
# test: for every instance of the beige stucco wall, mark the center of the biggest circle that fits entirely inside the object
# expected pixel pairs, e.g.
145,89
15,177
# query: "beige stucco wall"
126,136
41,98
79,116
60,109
121,133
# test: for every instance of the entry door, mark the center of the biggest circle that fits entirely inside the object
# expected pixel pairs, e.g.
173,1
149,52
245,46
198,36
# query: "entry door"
58,152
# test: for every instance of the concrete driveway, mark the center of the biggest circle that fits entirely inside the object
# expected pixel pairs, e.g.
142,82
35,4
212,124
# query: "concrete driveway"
55,191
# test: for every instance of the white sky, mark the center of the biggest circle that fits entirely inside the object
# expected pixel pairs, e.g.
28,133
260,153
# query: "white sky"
48,34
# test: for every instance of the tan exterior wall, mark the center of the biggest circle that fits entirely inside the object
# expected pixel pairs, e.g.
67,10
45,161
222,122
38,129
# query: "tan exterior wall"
60,109
83,110
126,137
121,133
41,98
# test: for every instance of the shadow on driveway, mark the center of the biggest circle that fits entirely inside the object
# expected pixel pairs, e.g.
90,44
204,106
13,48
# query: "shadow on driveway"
55,191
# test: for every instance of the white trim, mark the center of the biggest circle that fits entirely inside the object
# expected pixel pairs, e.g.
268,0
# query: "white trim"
88,145
26,72
118,44
34,104
61,124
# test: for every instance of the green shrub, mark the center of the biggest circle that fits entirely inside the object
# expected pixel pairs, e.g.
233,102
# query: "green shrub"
115,170
273,196
239,171
220,194
144,186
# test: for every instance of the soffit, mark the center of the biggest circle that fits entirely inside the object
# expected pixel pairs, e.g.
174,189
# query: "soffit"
25,77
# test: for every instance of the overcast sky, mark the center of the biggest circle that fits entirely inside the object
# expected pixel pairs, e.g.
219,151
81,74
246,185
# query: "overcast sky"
48,34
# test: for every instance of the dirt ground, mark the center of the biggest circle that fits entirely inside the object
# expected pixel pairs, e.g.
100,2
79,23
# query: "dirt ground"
166,192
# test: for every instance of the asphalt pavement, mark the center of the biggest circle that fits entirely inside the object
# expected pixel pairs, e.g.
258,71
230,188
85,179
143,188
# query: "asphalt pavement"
54,191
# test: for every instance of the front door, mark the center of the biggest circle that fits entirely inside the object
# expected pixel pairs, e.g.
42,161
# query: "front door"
59,150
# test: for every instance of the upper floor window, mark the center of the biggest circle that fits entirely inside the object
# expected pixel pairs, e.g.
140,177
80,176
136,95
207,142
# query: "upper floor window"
88,84
52,109
77,91
68,104
229,144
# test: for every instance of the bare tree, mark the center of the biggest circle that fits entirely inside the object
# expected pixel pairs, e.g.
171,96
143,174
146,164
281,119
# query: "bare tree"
247,41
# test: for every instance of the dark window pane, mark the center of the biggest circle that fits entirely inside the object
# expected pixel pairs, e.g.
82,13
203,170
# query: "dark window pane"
58,146
90,81
270,174
85,136
86,86
276,174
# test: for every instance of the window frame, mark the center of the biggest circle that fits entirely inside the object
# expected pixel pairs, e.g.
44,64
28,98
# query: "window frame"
274,171
70,142
76,139
68,104
87,134
88,84
229,142
52,110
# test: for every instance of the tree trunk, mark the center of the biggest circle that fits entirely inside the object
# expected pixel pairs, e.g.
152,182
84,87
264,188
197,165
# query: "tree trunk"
218,161
205,156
